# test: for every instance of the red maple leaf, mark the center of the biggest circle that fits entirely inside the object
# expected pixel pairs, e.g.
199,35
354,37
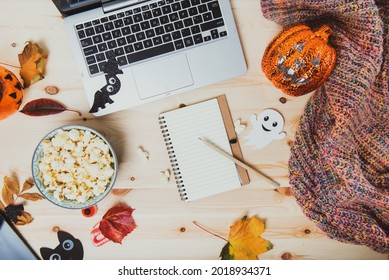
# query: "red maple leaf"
117,223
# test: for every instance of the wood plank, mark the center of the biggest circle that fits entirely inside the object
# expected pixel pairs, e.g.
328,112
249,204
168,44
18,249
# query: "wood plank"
164,223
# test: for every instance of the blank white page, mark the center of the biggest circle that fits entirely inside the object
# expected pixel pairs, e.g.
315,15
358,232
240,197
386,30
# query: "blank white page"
204,172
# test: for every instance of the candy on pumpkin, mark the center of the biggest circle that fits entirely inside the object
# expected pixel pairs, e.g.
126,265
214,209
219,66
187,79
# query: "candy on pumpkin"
299,60
11,93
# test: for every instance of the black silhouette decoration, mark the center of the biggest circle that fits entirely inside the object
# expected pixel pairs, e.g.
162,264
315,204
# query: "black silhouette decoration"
102,96
69,248
14,211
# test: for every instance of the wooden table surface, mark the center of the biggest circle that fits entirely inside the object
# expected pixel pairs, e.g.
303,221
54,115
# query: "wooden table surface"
164,223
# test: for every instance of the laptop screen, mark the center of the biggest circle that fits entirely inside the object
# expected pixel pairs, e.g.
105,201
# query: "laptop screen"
74,3
71,7
12,246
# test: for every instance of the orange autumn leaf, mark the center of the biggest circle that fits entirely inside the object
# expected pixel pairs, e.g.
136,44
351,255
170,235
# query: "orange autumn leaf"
244,241
33,62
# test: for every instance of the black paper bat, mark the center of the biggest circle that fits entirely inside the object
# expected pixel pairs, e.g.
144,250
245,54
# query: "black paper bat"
102,96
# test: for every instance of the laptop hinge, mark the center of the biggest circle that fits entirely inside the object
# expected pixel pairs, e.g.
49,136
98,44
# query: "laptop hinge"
113,5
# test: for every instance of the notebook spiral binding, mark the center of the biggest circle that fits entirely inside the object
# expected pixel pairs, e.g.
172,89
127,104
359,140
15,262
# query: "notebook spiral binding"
173,159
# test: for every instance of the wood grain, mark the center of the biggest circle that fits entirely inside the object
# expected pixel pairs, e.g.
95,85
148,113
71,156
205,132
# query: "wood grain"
164,223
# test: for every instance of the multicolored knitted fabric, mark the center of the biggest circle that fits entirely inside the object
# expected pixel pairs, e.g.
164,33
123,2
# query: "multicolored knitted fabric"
339,164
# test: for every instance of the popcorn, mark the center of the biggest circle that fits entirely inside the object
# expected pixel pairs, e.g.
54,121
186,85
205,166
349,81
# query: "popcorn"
239,126
76,165
74,134
142,154
164,176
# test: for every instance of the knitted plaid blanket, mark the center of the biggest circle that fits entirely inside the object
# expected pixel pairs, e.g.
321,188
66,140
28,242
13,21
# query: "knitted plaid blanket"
339,163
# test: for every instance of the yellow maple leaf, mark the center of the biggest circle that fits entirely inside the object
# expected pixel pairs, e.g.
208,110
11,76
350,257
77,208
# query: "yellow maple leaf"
244,241
33,62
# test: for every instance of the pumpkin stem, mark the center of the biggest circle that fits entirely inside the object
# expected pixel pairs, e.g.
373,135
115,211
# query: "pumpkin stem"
324,32
10,65
207,230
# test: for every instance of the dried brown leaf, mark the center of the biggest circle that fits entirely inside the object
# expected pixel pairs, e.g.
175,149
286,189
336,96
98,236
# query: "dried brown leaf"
44,107
31,196
7,194
24,219
120,192
28,184
12,184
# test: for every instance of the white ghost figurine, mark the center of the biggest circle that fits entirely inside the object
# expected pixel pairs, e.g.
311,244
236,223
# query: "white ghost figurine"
266,128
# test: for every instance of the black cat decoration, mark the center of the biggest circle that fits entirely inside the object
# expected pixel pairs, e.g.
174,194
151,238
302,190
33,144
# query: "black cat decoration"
102,96
69,248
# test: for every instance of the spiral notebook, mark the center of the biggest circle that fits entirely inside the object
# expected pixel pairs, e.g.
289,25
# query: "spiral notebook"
200,172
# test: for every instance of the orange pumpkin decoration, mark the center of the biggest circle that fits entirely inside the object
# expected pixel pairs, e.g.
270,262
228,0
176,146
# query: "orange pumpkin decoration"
11,93
298,60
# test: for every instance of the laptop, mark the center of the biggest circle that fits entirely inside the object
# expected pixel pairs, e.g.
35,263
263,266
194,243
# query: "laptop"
12,244
132,52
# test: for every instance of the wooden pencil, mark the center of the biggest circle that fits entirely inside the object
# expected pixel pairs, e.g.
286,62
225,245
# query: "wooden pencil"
239,162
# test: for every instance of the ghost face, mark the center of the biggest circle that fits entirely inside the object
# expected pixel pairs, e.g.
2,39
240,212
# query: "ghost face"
270,121
267,127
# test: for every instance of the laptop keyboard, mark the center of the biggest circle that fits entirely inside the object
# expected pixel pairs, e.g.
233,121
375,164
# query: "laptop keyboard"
150,30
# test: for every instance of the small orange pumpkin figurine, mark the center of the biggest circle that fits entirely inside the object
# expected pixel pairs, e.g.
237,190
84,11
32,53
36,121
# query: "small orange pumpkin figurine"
298,60
11,93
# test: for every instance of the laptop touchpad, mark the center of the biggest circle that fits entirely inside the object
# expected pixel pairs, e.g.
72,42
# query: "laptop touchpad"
162,76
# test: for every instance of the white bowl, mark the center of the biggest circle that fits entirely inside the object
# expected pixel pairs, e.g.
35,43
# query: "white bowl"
70,203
